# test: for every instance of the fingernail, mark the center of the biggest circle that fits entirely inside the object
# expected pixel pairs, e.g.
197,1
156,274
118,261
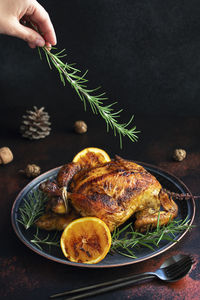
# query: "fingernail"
40,42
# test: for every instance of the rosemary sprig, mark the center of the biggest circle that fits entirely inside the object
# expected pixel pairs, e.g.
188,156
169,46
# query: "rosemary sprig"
48,240
78,81
32,208
125,240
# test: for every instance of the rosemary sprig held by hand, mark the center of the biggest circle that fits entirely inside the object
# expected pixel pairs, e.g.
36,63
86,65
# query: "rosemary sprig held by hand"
78,81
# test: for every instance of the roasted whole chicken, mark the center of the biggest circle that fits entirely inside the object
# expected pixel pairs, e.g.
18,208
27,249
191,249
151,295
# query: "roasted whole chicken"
113,191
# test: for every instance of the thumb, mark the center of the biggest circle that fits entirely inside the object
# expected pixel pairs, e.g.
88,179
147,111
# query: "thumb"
29,35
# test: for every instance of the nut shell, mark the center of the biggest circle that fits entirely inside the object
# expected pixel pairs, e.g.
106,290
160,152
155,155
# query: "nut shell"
32,170
179,154
6,155
80,127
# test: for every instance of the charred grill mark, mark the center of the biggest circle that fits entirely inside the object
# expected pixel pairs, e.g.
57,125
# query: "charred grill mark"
91,160
85,251
128,194
66,173
88,254
129,191
93,157
128,173
94,242
76,253
50,188
128,164
119,172
100,200
105,186
144,181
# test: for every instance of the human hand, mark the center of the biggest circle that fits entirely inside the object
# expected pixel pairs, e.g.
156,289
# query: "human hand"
12,11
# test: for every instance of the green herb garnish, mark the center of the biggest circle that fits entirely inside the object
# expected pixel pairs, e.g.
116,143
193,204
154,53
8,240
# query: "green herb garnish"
48,240
32,208
125,240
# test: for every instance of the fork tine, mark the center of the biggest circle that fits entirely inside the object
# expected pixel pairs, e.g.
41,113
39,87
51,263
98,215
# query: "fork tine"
184,270
178,270
179,263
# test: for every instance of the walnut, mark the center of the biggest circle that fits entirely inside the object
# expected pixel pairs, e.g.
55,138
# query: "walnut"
6,155
80,127
179,154
31,170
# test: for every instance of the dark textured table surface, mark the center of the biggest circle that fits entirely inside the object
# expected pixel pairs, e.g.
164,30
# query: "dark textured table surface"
26,275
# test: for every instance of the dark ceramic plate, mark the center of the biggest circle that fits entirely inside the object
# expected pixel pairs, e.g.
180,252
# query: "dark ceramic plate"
168,181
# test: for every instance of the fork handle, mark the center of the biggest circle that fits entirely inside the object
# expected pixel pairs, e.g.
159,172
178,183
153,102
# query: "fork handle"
132,279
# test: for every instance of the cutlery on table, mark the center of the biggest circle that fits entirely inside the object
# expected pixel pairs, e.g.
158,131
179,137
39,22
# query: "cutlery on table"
173,269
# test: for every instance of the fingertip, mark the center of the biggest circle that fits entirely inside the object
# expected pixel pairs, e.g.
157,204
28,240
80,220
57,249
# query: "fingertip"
55,40
48,46
54,44
50,38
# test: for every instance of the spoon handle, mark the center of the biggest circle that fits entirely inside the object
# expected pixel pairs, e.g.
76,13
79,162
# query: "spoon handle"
121,283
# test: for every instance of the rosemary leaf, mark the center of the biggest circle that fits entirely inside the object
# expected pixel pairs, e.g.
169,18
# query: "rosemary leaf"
32,208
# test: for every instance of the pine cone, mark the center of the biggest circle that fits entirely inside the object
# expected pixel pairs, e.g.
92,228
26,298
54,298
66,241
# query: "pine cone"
35,124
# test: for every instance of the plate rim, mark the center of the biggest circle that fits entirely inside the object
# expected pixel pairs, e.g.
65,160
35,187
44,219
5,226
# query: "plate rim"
96,266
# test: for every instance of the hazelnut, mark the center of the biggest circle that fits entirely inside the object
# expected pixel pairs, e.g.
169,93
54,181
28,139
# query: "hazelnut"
6,155
80,127
179,154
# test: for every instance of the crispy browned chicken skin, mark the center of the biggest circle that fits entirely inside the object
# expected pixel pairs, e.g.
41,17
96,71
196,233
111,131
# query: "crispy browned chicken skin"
113,192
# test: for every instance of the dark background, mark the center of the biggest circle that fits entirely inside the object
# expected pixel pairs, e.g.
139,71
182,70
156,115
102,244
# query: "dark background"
144,54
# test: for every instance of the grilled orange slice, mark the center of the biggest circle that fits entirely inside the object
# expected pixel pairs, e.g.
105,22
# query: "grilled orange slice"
91,157
86,240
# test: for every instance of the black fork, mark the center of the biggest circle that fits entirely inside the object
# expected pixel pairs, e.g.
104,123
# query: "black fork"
173,269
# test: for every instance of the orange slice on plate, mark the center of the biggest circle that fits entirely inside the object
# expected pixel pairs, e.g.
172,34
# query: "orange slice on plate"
86,240
91,157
